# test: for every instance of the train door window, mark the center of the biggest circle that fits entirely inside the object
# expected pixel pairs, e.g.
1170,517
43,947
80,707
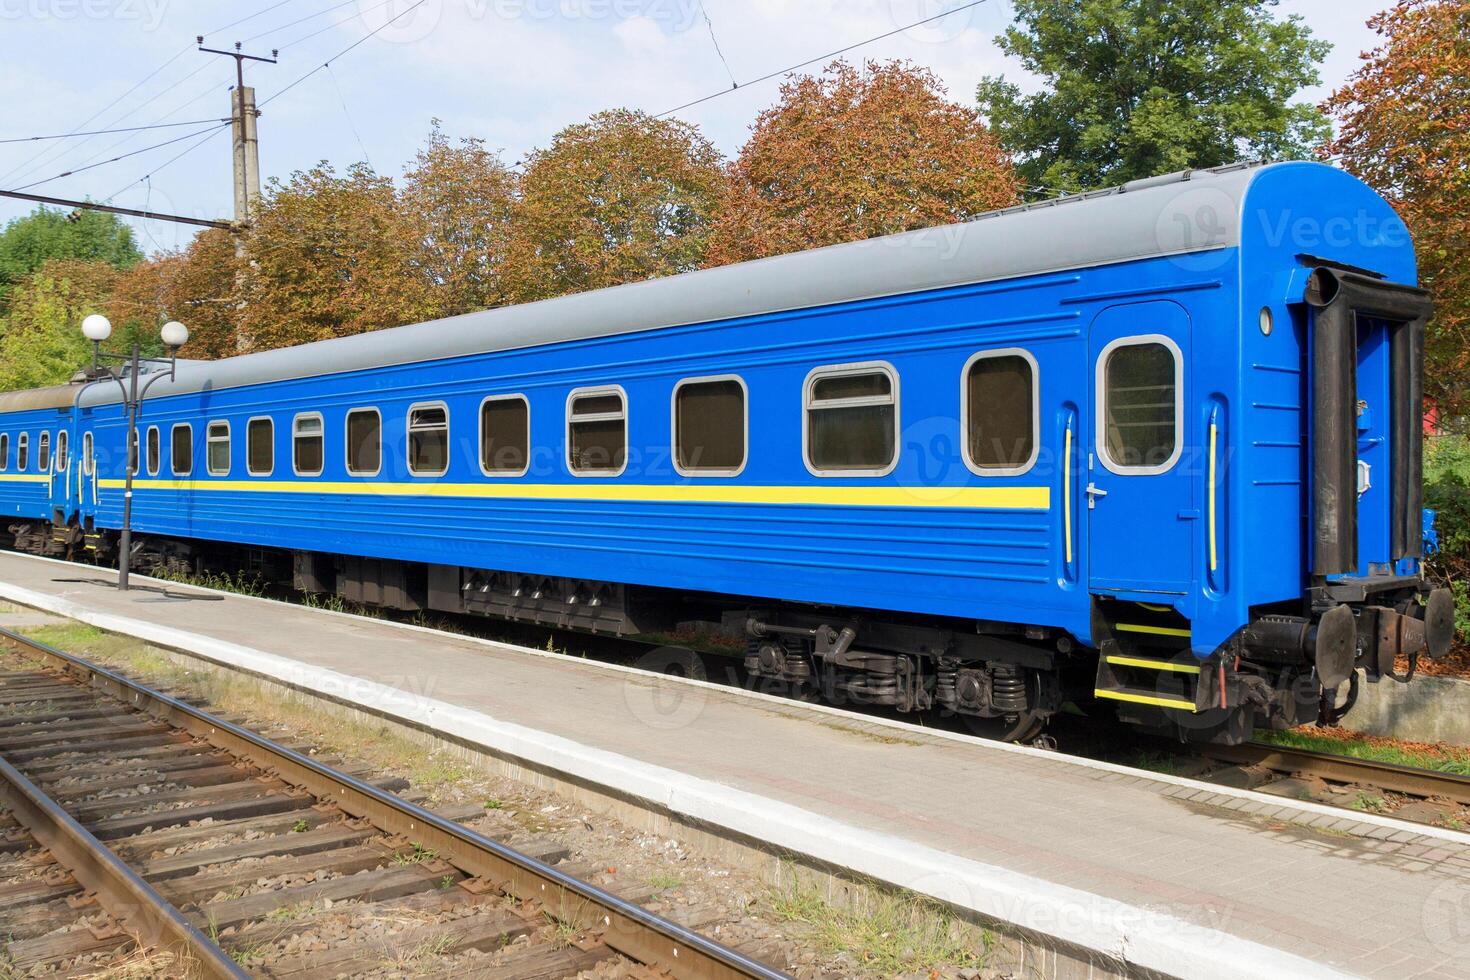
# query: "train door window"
89,459
306,445
217,448
505,435
260,447
1140,386
709,426
428,439
4,451
62,438
132,462
852,420
181,449
155,451
364,442
597,431
1001,409
43,452
22,451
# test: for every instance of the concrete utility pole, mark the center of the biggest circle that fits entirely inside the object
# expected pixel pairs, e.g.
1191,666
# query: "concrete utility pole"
243,115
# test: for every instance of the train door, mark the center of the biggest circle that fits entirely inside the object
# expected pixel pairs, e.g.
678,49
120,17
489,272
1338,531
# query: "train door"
86,469
1140,493
59,469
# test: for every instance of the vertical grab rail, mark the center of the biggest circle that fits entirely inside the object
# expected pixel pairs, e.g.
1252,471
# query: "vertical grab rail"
1211,487
1067,491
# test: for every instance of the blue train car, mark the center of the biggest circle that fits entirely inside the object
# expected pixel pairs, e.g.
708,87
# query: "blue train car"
37,465
1156,446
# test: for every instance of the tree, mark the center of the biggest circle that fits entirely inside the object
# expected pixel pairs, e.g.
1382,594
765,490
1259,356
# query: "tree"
1138,88
203,292
619,198
1404,127
462,198
43,343
331,256
856,154
46,234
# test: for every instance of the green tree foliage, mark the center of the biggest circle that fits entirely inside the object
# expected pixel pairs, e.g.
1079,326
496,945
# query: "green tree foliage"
619,198
46,234
42,344
1447,492
1136,88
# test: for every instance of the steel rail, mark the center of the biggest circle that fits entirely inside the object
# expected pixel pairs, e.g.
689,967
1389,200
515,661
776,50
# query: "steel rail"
1345,769
120,891
624,926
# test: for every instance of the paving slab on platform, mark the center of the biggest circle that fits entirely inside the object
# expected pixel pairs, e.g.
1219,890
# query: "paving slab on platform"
1159,872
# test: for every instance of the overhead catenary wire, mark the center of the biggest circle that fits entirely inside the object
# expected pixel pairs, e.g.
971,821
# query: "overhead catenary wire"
101,132
46,180
28,165
823,57
369,35
346,112
704,11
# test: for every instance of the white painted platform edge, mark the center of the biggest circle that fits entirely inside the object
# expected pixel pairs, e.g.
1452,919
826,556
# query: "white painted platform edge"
1364,820
1147,937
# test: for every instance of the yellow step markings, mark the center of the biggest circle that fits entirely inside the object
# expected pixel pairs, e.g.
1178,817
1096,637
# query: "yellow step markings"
1161,702
1154,664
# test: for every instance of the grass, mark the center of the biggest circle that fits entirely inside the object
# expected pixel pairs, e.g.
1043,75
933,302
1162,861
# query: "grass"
418,855
663,881
1368,803
1437,758
895,933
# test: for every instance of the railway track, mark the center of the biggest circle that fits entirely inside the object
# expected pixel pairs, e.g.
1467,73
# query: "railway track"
138,825
1346,770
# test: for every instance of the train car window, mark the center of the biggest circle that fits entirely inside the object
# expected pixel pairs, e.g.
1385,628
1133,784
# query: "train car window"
709,426
852,420
428,440
1000,411
181,449
43,452
597,431
89,458
4,451
1142,392
22,451
62,438
155,451
217,448
505,435
364,442
260,447
132,462
307,453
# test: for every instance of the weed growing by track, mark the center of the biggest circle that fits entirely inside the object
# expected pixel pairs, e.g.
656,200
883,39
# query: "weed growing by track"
893,934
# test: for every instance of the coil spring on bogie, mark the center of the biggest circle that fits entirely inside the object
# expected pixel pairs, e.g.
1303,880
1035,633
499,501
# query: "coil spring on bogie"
1008,688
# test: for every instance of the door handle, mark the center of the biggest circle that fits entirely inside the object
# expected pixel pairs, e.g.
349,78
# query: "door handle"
1093,492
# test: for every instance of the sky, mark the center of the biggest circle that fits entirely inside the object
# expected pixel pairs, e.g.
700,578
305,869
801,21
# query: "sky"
511,72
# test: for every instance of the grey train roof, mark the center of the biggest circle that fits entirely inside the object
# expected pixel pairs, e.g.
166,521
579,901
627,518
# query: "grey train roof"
1137,220
57,396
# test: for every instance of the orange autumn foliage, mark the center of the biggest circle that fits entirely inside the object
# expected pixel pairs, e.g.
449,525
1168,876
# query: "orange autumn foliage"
853,154
1404,127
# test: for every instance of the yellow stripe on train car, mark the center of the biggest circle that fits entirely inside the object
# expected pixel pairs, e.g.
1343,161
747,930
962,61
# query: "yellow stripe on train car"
976,498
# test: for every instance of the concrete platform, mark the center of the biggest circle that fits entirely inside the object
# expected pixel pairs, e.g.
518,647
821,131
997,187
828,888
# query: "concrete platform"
1128,872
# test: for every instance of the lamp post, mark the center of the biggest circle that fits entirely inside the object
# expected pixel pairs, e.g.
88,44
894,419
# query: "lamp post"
97,328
